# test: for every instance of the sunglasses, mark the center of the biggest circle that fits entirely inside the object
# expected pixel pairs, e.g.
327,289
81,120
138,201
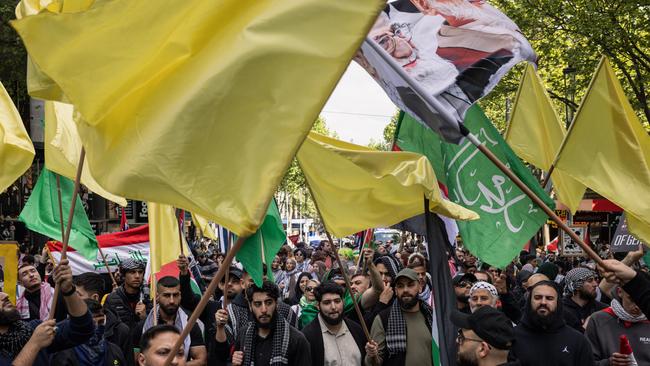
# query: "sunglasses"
309,289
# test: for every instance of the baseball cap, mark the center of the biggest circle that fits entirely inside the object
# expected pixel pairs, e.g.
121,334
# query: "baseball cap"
408,273
464,277
488,323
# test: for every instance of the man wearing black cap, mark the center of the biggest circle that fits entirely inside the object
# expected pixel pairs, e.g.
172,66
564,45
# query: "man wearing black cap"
462,284
484,337
401,334
543,338
128,301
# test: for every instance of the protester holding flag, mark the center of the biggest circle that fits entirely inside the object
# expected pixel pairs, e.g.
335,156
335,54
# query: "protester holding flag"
15,333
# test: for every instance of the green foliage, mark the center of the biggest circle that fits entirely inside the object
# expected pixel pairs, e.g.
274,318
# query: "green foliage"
389,135
575,33
14,59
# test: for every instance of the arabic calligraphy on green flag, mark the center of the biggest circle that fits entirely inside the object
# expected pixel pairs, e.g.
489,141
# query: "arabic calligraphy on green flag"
508,217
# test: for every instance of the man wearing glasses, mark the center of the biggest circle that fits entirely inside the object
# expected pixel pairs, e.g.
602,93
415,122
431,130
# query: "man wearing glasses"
484,337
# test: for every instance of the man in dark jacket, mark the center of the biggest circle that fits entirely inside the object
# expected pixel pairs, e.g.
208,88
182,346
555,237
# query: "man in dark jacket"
16,347
334,340
90,285
97,350
128,301
580,299
543,338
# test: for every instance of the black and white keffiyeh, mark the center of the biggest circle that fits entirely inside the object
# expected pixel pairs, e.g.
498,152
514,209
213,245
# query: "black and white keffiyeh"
396,332
620,312
15,339
575,278
482,285
237,318
280,343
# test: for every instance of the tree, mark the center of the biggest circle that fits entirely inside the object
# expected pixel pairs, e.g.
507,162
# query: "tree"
389,135
13,67
575,33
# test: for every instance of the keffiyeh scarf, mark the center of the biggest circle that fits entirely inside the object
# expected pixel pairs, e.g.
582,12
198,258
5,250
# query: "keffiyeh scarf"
620,312
575,278
237,318
15,339
46,301
280,343
179,323
396,332
482,285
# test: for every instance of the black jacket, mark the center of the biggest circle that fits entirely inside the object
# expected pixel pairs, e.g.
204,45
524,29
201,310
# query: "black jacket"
118,303
114,357
314,335
639,290
119,334
558,345
576,315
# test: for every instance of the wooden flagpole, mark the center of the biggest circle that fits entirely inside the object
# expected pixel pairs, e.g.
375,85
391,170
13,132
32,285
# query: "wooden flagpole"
180,230
66,236
344,270
205,298
435,105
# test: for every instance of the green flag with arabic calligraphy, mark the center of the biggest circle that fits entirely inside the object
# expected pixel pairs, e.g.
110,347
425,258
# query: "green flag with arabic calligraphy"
508,217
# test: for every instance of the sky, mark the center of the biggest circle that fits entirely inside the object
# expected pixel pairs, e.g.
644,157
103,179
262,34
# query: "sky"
358,109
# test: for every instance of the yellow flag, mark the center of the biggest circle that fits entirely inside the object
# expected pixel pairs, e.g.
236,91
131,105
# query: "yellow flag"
608,150
535,133
63,147
163,235
16,149
198,104
356,187
202,224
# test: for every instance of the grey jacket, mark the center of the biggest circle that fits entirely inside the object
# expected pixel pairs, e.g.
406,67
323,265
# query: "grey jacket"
604,329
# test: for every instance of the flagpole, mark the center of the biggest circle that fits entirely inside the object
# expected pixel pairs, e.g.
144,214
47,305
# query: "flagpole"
344,271
205,298
180,231
108,269
435,105
547,179
66,236
153,293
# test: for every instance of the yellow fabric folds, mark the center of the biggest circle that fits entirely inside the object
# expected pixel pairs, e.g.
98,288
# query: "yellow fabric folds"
163,235
16,149
608,150
197,104
356,188
535,133
202,224
63,147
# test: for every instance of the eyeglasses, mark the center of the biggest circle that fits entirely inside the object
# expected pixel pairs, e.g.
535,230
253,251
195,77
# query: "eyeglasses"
309,289
461,338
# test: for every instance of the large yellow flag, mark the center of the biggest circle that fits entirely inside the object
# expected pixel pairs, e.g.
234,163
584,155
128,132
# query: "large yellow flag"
16,149
197,104
535,133
608,150
163,235
356,187
63,147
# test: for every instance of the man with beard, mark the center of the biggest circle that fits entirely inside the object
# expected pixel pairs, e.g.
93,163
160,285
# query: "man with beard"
622,317
168,297
334,340
15,333
484,337
269,340
401,334
462,284
543,338
580,299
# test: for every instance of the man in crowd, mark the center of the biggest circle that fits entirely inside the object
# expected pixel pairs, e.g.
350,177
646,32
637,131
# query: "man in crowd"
15,333
90,286
36,299
401,334
543,338
334,340
168,297
482,294
156,344
484,337
269,339
425,288
97,350
128,301
580,299
207,267
622,317
462,284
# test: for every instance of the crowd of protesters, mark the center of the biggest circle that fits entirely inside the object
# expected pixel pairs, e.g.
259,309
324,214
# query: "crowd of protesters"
542,309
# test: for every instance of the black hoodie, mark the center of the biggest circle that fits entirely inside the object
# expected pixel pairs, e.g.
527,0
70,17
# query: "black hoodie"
557,344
